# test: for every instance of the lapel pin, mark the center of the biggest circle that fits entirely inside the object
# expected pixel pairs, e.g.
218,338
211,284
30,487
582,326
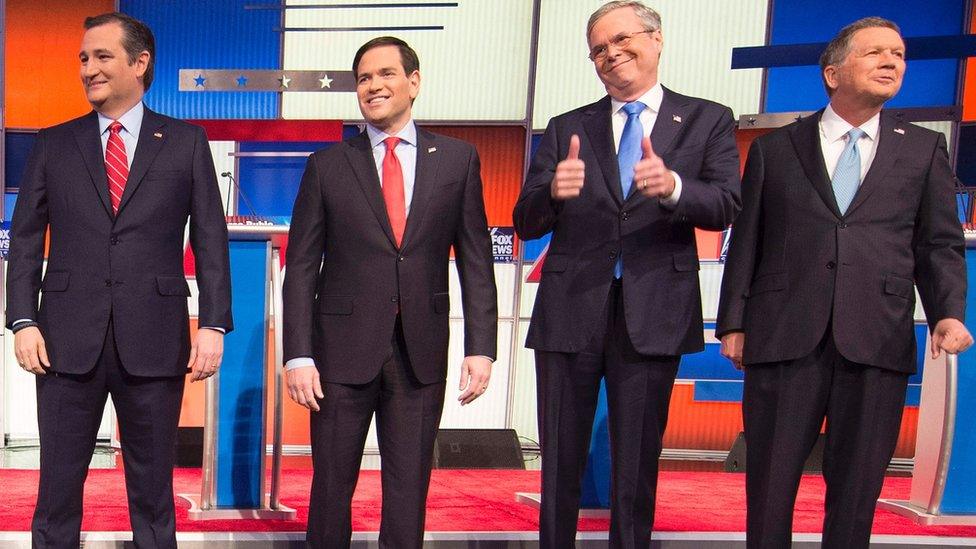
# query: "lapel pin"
900,131
432,149
676,118
157,135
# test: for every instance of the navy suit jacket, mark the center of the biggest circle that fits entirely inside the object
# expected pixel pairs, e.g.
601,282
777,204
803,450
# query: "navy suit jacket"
341,311
662,300
796,266
127,267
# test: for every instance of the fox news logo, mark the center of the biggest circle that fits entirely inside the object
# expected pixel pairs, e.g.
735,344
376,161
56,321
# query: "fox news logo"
503,244
4,239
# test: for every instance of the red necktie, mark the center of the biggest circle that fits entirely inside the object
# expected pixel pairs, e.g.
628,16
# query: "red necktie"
116,165
396,204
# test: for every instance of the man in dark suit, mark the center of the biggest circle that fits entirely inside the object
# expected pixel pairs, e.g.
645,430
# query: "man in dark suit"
115,187
366,330
621,184
843,211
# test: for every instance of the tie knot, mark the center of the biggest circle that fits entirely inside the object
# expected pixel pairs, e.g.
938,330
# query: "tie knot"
115,126
634,108
391,143
854,135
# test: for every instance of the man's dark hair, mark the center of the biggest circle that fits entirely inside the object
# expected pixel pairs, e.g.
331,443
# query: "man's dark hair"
136,38
840,46
408,57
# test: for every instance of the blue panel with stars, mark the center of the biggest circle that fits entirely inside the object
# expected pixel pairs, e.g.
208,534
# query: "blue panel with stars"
217,34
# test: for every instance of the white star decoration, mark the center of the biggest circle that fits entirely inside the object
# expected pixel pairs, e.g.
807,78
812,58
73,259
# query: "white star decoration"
284,81
325,81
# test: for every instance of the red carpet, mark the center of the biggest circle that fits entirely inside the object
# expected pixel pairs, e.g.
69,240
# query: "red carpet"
465,501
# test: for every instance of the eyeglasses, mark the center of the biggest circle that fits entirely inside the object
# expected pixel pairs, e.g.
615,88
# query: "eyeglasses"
600,51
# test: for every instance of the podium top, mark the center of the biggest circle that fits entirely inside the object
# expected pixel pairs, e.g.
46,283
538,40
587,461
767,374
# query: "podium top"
254,227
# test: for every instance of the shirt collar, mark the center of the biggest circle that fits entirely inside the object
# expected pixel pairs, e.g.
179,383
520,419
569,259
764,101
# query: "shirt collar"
131,120
408,134
651,99
833,127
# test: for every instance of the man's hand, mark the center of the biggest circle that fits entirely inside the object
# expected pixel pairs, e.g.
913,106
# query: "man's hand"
732,344
951,336
30,350
653,178
304,386
475,372
568,181
206,354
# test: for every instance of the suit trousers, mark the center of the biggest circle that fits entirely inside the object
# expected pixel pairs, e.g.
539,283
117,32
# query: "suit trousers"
638,393
408,414
784,405
69,411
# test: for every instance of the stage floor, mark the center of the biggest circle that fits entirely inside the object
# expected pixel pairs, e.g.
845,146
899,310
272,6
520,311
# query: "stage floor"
470,509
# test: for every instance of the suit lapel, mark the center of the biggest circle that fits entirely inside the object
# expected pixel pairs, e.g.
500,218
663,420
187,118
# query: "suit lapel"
596,122
669,120
90,143
152,136
885,154
360,156
806,140
424,180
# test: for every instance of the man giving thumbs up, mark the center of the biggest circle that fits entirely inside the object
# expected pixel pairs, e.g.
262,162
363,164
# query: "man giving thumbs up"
621,184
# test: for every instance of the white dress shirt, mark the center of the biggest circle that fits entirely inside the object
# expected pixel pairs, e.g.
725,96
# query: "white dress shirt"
652,100
833,139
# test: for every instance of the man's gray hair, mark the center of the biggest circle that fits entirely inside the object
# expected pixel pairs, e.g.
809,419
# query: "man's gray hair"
840,46
650,19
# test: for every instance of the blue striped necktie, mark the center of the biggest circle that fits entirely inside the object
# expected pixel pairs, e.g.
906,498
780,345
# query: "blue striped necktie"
628,154
847,174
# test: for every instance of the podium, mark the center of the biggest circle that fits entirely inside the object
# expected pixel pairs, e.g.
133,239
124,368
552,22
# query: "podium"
945,448
234,451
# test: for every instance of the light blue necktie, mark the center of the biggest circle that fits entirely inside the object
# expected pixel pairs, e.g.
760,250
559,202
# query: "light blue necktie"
847,174
628,154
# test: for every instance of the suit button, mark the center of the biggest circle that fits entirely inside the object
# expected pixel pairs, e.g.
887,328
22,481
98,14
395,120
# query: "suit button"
401,258
625,216
831,264
108,283
394,298
114,240
842,225
613,254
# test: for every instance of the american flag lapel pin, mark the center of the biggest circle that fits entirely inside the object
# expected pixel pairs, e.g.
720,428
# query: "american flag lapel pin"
158,135
676,118
432,149
900,131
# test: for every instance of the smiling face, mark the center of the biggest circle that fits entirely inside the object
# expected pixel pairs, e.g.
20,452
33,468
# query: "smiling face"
385,91
112,84
630,70
873,70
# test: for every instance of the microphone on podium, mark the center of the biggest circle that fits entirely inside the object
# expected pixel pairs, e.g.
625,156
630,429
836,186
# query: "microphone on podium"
240,192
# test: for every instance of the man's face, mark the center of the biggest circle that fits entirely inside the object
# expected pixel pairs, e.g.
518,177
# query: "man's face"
111,82
630,69
385,91
873,70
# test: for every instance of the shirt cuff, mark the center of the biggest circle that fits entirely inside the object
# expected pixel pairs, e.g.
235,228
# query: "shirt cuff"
20,321
672,201
299,362
215,328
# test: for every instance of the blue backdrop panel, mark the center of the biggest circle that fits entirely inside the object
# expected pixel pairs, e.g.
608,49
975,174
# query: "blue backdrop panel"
271,182
17,148
959,497
216,34
241,391
927,83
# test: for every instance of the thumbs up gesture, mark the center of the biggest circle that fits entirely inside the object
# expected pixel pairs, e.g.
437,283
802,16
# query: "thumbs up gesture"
568,181
652,177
